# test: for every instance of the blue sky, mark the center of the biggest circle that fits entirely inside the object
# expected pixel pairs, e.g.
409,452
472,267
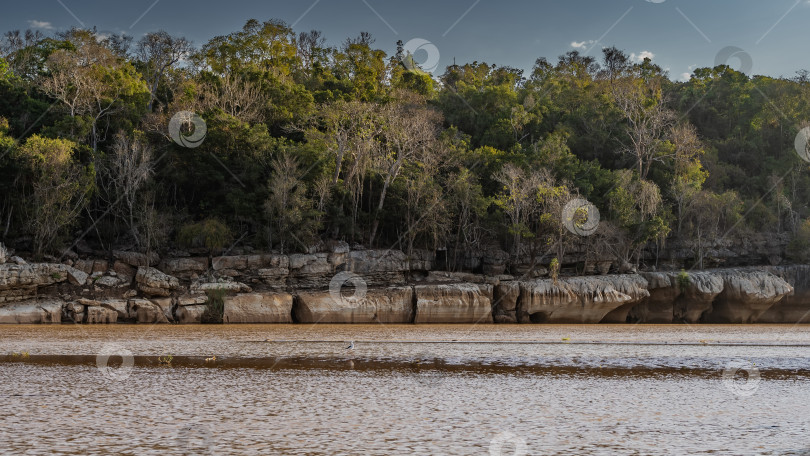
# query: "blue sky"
679,34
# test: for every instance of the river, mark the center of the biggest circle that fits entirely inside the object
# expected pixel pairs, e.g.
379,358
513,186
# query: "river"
405,389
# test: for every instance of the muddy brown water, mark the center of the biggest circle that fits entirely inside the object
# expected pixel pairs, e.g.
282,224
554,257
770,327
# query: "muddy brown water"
405,389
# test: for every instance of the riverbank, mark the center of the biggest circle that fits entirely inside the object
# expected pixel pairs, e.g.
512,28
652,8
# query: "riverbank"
385,286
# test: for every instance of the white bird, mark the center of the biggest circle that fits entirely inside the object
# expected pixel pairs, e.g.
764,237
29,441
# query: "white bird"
351,346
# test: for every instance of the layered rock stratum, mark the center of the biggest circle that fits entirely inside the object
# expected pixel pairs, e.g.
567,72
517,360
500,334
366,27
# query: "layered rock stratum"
385,286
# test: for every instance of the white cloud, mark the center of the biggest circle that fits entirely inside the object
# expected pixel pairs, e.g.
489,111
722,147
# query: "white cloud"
686,76
41,25
581,44
641,56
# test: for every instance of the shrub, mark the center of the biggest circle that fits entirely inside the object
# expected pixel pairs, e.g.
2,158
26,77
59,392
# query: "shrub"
683,280
799,248
210,233
214,307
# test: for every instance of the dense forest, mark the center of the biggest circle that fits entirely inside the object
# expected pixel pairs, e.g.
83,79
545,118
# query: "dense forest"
306,142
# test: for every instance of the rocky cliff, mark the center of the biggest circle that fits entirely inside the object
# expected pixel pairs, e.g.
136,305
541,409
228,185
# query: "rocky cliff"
384,286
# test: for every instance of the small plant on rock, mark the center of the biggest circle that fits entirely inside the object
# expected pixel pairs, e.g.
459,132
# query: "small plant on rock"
554,270
683,280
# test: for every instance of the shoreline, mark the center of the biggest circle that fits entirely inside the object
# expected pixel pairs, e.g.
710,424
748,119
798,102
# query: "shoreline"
385,287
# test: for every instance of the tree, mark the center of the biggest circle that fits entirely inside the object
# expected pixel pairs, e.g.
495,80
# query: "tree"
518,199
160,52
91,80
709,217
410,131
289,207
636,206
121,176
60,189
648,122
237,97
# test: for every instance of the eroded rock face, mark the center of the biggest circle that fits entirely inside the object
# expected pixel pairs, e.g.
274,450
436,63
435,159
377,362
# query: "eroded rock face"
14,276
156,283
189,314
795,307
310,270
387,305
746,295
504,306
669,302
137,259
3,253
453,303
100,315
235,287
578,299
378,267
258,308
184,268
697,298
32,312
145,311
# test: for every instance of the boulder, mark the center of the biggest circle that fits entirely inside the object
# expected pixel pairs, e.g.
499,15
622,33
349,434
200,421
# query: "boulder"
32,312
378,267
421,260
669,302
386,305
137,259
100,315
746,295
697,297
145,311
13,276
578,299
91,266
310,270
76,276
456,303
73,312
107,281
795,307
505,299
155,283
238,263
235,287
184,267
119,306
258,308
189,314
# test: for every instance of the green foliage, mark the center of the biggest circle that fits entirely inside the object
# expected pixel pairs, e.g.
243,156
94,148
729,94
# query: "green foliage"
683,280
554,269
214,307
799,247
210,233
308,142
